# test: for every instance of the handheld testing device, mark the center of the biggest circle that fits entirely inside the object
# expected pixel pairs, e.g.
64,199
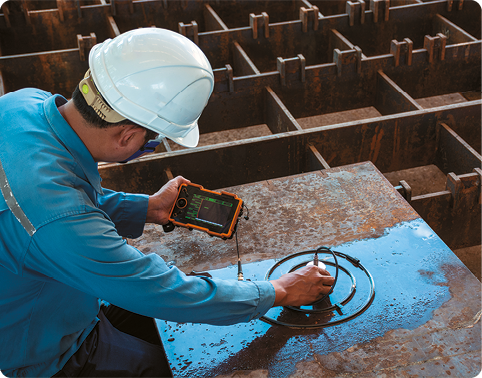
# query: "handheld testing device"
205,210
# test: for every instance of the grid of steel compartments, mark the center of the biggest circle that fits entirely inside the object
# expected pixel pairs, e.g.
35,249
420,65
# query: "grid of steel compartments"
285,71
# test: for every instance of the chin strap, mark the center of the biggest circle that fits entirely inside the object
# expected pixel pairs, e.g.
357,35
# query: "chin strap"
96,102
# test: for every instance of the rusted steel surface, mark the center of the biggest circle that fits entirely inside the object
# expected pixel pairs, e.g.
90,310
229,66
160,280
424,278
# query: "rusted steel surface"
391,143
455,213
286,39
59,72
424,320
328,207
454,154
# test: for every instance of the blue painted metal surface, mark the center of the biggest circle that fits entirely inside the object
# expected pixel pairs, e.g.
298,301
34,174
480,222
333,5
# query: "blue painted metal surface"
412,269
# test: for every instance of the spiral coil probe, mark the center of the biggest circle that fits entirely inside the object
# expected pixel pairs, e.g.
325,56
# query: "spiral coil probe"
319,307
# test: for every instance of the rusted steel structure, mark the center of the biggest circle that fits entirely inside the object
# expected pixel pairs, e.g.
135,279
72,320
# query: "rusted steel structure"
312,100
300,86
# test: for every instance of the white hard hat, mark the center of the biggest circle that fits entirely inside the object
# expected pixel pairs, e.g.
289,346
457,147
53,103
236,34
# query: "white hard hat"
156,78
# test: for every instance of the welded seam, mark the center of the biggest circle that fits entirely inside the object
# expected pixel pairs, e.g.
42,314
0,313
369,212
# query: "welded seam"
471,323
13,204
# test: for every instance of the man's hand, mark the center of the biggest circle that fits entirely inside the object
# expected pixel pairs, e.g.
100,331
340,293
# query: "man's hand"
160,203
302,287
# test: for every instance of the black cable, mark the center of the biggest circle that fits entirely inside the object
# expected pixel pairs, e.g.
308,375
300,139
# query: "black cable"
240,269
336,273
247,211
354,261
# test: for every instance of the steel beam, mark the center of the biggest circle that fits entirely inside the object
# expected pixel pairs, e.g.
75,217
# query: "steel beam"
288,61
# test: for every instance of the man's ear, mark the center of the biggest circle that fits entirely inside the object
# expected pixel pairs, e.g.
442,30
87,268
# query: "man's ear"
129,133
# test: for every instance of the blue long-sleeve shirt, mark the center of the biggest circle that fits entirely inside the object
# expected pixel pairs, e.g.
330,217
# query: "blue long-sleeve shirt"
61,250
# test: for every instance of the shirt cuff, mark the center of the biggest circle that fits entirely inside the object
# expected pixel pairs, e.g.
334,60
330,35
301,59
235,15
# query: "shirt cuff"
135,211
266,298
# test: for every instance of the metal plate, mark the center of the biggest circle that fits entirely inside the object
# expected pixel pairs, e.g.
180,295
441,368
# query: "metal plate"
425,315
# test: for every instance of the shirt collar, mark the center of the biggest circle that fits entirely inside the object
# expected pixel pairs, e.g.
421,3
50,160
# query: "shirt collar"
72,142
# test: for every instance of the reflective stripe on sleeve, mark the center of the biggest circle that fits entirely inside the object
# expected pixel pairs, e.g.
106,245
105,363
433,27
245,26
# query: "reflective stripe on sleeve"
13,204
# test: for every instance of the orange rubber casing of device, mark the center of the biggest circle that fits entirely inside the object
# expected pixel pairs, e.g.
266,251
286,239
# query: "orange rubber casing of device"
201,209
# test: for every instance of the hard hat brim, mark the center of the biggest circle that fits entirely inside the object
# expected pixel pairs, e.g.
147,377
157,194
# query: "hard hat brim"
190,140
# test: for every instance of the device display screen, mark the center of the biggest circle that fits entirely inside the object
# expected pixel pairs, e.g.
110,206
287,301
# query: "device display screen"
208,211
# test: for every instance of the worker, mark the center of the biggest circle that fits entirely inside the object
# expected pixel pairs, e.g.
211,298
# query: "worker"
75,298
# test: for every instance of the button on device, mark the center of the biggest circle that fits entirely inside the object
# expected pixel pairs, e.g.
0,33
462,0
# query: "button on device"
181,203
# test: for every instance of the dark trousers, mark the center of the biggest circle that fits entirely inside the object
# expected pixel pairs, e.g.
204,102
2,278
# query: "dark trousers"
122,344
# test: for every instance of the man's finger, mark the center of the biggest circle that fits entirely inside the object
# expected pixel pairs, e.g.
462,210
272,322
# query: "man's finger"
327,281
324,272
325,290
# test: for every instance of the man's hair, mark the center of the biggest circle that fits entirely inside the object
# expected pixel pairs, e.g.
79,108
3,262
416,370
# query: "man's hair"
90,116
